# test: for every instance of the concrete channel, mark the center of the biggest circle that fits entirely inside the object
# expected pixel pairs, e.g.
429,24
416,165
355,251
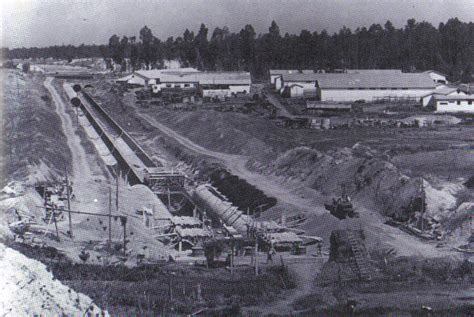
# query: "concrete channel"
131,158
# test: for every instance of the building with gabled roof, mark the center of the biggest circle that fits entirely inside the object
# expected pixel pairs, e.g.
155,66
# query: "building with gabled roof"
277,73
368,86
191,80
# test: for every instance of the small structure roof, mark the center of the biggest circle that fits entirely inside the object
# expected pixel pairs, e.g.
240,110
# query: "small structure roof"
135,80
193,232
284,237
185,221
365,80
434,71
125,78
269,225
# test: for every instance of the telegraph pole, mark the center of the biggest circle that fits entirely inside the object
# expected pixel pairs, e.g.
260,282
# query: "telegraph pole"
68,201
110,218
255,232
117,192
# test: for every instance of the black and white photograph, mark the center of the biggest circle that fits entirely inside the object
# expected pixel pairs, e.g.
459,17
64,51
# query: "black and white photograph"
253,158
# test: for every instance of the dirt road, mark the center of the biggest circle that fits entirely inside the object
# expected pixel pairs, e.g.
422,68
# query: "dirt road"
304,272
270,185
85,182
274,101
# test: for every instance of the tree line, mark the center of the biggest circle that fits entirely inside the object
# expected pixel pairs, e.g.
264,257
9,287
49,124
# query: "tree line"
449,48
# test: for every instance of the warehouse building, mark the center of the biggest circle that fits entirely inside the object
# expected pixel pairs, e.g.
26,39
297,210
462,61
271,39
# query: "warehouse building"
454,103
368,86
209,84
143,78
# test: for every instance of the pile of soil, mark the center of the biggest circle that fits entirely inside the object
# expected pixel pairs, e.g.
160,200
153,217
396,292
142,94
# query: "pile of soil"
240,192
356,171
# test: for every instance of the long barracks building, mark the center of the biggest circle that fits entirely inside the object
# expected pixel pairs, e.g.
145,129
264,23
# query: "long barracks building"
348,87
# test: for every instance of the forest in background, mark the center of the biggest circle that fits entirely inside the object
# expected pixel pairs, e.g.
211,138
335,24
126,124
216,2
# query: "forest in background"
415,47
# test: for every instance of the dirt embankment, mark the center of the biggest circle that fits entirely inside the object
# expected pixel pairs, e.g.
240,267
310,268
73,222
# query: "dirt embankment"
356,172
33,144
367,164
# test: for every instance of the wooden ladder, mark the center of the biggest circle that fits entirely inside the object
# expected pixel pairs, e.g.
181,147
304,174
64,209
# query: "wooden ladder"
360,258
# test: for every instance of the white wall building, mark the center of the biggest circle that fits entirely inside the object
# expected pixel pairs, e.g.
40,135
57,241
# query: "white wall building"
222,84
276,74
151,77
456,103
368,86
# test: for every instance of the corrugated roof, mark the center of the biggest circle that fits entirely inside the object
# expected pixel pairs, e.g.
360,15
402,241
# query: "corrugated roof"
454,97
193,232
442,91
435,71
126,78
185,221
365,80
374,71
209,78
224,78
156,73
290,71
135,80
284,237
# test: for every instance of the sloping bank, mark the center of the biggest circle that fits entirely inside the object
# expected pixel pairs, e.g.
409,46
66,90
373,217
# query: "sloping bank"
29,289
365,175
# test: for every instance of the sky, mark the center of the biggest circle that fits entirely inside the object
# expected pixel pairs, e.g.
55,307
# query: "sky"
39,23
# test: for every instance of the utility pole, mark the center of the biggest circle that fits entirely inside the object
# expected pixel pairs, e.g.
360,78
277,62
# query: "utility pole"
68,201
232,258
256,249
256,255
117,192
169,200
110,218
55,224
422,206
124,223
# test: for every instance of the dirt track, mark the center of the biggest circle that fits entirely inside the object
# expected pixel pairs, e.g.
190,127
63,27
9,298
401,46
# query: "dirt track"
236,164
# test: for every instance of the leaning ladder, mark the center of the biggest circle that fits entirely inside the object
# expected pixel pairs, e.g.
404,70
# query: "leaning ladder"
360,258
